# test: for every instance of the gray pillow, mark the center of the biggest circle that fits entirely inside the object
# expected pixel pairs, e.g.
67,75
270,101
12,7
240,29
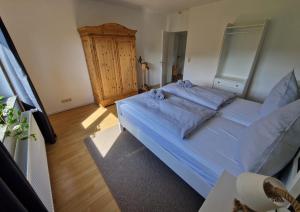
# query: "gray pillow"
269,143
283,93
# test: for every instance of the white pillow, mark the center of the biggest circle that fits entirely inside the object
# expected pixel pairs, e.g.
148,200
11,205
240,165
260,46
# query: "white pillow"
283,93
270,143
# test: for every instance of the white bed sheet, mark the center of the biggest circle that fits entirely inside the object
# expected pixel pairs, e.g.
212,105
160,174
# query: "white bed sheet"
209,151
241,111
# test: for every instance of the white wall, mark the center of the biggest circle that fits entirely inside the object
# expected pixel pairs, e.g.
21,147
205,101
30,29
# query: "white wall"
281,48
153,26
147,23
178,21
93,13
45,34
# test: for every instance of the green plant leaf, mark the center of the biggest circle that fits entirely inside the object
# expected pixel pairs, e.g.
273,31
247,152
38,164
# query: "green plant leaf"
16,126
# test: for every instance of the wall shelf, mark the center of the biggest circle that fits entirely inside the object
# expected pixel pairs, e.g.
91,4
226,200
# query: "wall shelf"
239,56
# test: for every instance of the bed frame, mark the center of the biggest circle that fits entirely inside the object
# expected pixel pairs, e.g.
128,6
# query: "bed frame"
290,176
185,172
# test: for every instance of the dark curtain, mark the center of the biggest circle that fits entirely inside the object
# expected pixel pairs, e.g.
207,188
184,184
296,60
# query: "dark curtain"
16,194
22,85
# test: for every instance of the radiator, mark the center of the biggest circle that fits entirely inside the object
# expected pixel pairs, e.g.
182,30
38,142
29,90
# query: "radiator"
31,157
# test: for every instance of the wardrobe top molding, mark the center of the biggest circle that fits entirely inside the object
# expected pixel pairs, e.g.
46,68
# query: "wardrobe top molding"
106,29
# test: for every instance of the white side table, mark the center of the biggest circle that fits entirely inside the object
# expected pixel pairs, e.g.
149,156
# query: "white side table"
222,195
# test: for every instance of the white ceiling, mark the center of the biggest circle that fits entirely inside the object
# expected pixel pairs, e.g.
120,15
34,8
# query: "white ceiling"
162,5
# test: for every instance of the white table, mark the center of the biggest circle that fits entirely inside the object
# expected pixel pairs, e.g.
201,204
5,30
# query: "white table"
222,195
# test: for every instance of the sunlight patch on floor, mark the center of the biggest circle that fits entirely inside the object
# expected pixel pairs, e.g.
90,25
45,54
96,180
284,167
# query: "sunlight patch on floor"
109,121
93,117
106,134
105,141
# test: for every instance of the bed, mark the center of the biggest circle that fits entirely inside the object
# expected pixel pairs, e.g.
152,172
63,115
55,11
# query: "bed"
219,143
202,157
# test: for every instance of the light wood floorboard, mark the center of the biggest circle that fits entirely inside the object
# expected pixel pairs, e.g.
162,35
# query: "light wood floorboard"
77,184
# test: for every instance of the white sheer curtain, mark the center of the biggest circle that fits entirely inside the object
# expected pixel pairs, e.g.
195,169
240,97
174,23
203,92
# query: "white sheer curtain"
16,75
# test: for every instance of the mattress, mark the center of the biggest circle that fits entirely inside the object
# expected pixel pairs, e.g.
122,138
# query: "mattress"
209,151
241,111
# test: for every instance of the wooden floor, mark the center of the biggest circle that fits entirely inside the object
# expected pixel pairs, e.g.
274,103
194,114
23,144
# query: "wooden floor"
77,184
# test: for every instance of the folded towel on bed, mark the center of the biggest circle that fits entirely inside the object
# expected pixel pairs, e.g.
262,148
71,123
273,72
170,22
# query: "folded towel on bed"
180,83
210,97
177,115
157,94
160,95
152,93
184,84
188,84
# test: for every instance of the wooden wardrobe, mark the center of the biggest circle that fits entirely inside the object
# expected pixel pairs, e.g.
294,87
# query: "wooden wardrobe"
111,59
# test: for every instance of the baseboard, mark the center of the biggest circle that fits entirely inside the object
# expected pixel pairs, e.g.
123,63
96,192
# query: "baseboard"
155,86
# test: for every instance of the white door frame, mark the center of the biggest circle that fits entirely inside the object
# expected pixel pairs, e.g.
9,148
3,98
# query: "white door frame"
163,61
165,36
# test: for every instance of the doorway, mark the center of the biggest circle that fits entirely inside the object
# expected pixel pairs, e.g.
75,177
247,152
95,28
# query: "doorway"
174,46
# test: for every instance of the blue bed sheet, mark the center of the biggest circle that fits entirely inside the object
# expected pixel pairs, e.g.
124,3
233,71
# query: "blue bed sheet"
242,111
176,115
209,151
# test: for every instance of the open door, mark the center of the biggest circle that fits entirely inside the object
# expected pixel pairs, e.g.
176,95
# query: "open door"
164,59
173,56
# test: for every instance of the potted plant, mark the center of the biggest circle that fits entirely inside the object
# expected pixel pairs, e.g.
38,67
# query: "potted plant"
14,125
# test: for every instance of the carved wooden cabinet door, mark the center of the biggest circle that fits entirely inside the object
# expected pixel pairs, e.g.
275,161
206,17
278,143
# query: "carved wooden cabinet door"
127,63
108,74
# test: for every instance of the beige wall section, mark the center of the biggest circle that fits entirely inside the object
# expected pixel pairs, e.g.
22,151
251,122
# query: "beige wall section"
45,34
149,26
178,21
281,49
92,13
153,25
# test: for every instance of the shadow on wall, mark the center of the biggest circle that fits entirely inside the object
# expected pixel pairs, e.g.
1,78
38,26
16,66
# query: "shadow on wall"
93,13
281,49
148,24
